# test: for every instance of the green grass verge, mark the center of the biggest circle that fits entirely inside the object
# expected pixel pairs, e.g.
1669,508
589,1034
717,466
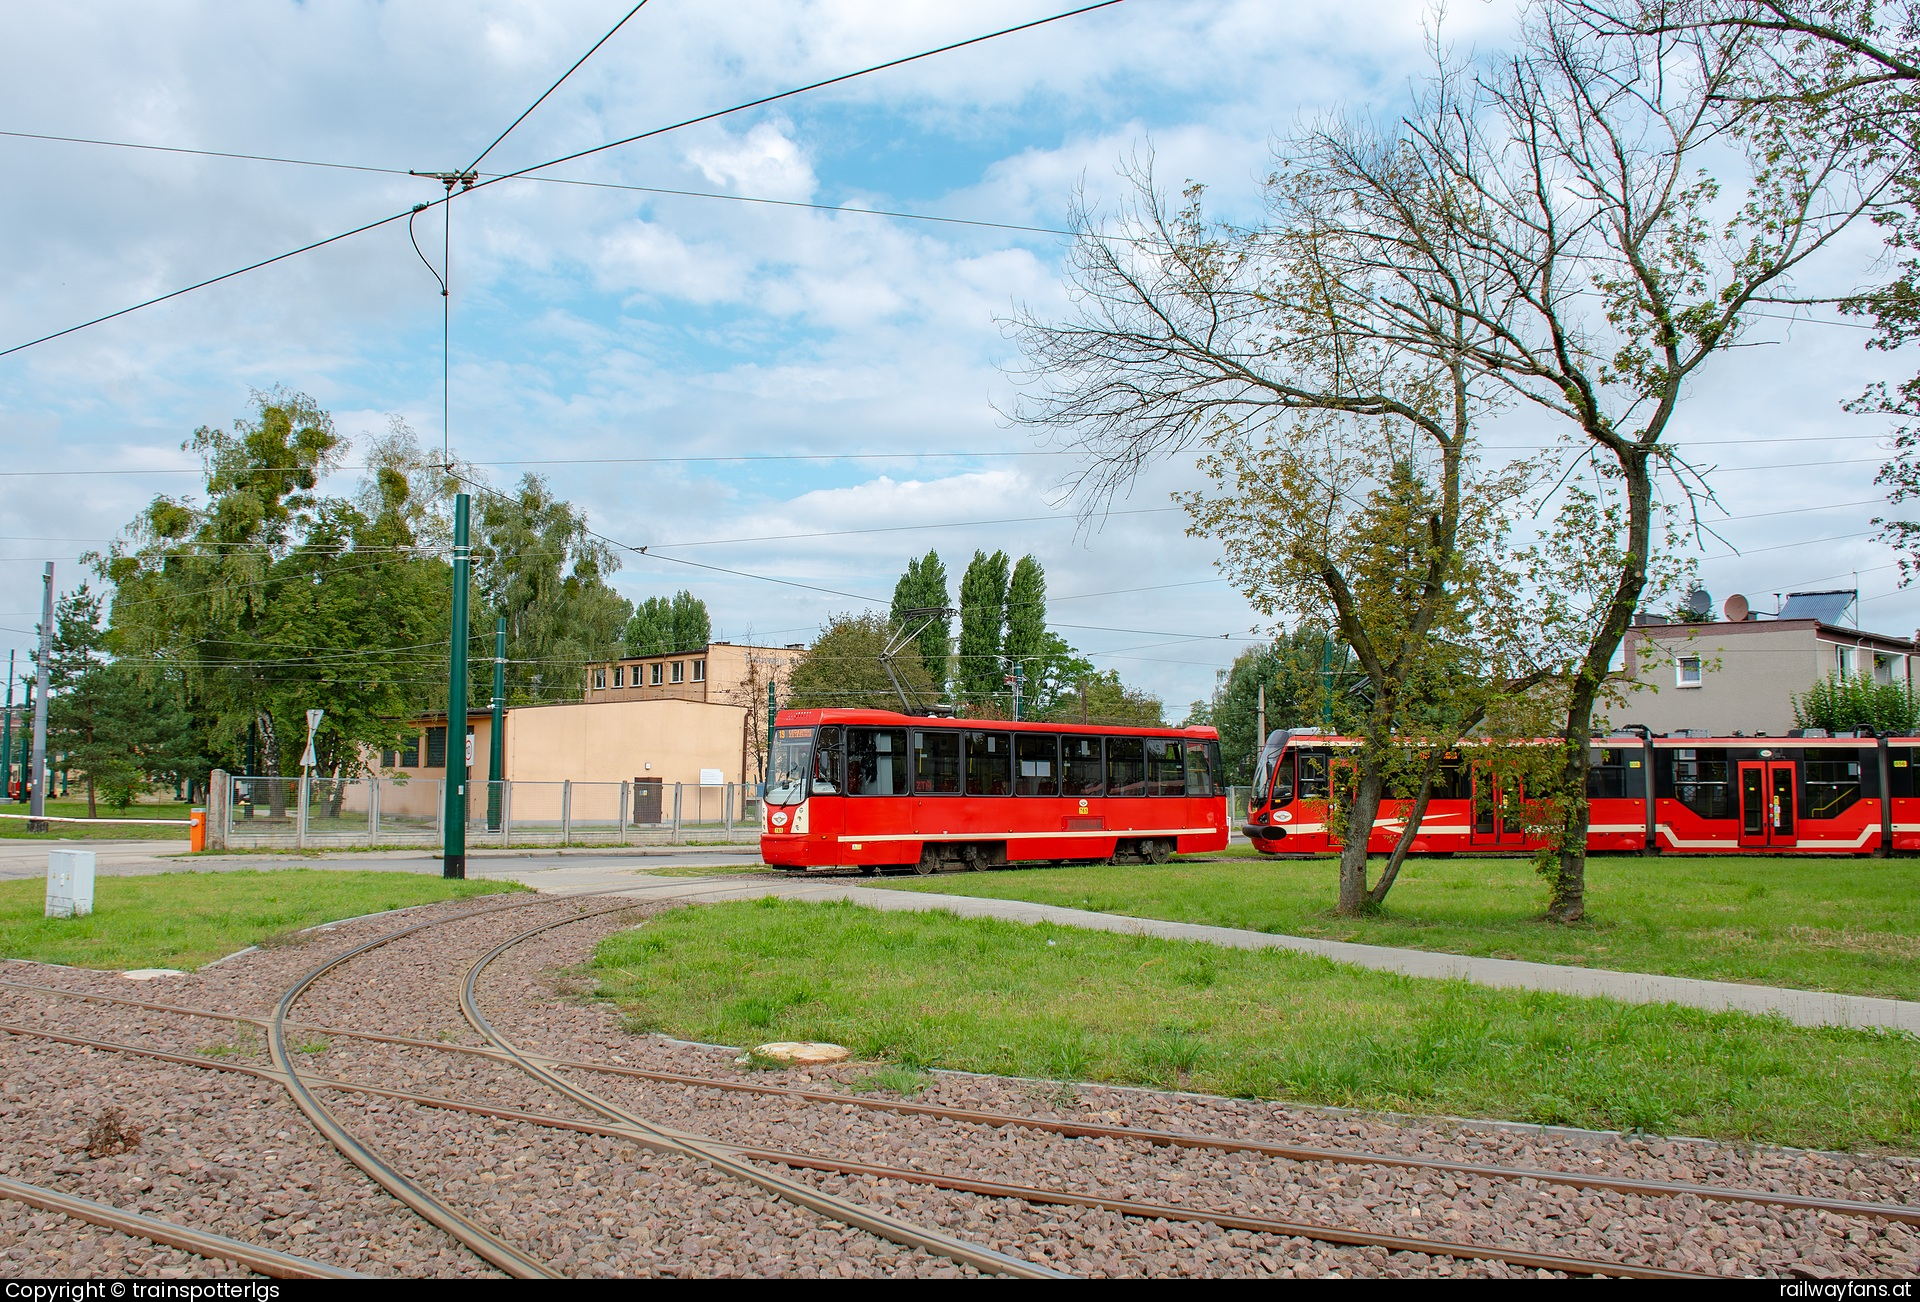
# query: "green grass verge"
1847,925
932,990
185,919
16,828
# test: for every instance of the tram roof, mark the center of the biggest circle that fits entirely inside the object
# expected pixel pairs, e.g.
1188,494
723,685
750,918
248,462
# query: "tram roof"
894,719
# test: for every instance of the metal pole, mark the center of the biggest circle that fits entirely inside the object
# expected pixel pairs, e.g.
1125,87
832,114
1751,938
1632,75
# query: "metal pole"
1260,728
623,813
300,810
453,822
37,822
676,812
566,810
26,746
496,743
6,742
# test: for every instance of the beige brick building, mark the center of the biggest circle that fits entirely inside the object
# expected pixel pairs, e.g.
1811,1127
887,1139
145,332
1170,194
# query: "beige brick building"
1731,678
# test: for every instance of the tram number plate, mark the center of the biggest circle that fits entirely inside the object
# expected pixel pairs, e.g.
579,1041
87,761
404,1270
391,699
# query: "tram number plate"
1095,824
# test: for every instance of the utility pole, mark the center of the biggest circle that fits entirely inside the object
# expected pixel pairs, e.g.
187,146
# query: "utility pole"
1017,679
26,743
6,738
1083,698
37,821
453,849
1260,724
497,741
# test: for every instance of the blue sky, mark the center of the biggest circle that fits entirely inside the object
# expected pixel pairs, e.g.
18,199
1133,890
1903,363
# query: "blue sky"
596,324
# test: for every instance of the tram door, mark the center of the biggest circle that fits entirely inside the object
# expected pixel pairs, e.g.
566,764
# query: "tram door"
1496,811
1766,803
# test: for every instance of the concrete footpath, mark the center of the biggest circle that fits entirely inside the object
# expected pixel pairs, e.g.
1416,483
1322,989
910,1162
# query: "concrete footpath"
1799,1007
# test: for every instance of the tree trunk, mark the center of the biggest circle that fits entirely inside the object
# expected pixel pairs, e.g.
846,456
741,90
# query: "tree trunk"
93,809
1378,894
1353,855
1567,901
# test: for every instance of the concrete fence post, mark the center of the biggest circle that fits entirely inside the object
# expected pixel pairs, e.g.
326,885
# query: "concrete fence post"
623,812
677,788
566,810
373,809
440,814
300,811
726,811
506,812
219,808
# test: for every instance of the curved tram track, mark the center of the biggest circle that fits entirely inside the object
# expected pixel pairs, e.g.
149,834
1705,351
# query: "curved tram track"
747,1163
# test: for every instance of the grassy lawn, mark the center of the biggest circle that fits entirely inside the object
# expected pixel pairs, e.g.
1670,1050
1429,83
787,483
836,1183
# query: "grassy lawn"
16,828
1848,925
933,990
185,919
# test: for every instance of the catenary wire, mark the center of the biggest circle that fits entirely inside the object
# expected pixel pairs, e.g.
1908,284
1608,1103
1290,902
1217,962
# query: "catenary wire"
481,158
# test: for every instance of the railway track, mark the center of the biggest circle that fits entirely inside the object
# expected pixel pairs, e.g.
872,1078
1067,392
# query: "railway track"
747,1162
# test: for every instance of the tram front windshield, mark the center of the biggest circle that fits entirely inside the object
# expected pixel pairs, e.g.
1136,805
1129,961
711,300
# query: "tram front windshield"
792,757
1263,768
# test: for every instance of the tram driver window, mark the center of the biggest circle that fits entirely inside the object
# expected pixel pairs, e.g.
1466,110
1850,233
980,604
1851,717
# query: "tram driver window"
1037,765
1166,769
1126,767
877,761
826,762
1082,770
989,764
1283,778
936,763
1203,764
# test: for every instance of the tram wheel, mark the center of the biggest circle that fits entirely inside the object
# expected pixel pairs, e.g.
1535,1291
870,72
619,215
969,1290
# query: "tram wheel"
927,864
1158,851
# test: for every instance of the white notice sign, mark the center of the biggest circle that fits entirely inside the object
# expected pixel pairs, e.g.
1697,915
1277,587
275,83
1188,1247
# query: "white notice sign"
712,778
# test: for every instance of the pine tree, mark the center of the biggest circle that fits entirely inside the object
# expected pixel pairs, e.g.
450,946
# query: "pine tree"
983,618
924,587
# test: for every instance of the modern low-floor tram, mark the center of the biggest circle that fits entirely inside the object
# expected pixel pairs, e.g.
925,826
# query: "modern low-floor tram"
876,790
1808,793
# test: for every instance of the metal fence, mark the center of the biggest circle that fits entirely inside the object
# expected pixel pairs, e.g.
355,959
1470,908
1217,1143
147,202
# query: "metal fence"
315,813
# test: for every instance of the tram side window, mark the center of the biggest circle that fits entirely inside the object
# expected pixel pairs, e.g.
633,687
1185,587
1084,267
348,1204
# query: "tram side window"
827,757
1283,778
1902,761
1450,780
989,764
1037,760
1082,770
1313,776
1700,782
1203,764
1830,786
936,763
1166,769
1609,777
1126,767
877,762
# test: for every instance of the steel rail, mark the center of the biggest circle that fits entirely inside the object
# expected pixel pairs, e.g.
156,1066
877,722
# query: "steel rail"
662,1138
488,1245
1904,1212
722,1157
202,1243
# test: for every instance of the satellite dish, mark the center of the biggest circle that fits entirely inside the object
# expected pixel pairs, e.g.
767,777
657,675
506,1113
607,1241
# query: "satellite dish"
1699,603
1736,608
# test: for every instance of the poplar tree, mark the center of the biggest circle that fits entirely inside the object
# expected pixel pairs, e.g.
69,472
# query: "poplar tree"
983,619
924,587
1026,641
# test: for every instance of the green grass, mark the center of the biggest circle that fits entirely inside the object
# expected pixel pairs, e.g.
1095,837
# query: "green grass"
1847,925
185,919
16,828
923,990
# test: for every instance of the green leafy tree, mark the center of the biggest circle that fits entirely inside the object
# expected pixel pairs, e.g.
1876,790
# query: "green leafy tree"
535,563
667,625
924,587
842,668
1103,698
983,618
1026,639
1844,704
1311,681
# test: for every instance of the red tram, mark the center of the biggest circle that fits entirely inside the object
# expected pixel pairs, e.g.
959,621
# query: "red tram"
877,790
1800,794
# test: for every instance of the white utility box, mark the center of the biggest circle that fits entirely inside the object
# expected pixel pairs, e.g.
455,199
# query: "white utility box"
69,883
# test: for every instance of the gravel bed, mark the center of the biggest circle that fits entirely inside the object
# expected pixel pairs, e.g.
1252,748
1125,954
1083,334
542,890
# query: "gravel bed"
44,1244
229,1153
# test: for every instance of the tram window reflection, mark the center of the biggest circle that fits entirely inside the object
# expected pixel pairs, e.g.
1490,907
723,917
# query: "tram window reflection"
989,764
1082,769
1126,767
936,763
1166,769
877,762
1203,764
1038,759
826,762
1312,783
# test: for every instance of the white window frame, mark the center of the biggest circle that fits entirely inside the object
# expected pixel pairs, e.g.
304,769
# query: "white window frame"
619,675
699,671
653,679
1843,661
679,671
1682,665
599,680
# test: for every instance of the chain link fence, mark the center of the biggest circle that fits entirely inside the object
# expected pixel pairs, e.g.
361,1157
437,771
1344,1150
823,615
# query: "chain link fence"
322,813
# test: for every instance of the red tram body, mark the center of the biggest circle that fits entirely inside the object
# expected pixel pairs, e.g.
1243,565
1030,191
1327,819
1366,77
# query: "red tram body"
1710,795
873,789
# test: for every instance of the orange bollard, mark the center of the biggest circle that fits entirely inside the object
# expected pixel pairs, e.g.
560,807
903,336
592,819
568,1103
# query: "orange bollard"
197,830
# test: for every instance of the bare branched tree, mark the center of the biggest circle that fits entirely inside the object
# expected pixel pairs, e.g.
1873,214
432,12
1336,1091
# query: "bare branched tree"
1544,234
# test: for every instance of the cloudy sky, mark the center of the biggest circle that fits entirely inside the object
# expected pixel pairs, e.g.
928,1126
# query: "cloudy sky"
605,330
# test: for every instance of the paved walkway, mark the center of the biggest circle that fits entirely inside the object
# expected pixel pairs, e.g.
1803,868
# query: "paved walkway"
1800,1007
24,858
